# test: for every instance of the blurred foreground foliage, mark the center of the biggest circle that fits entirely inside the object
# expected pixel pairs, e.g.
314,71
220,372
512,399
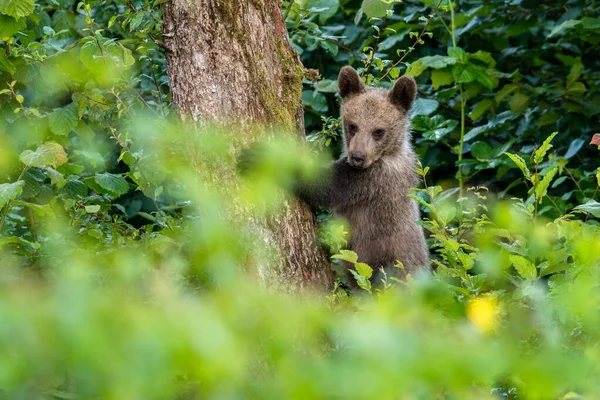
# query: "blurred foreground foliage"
132,259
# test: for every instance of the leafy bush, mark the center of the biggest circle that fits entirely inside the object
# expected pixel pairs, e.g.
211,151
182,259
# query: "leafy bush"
130,273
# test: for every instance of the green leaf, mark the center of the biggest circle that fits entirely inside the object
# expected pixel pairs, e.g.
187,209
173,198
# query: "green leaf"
114,185
592,207
568,24
375,8
415,69
520,163
547,118
505,91
524,267
49,153
485,57
483,78
346,255
457,53
462,74
519,102
540,153
439,78
541,189
63,120
482,151
364,270
9,192
77,188
424,107
56,177
33,178
83,130
438,61
92,209
6,64
574,73
9,26
17,8
18,240
480,108
576,89
330,47
43,210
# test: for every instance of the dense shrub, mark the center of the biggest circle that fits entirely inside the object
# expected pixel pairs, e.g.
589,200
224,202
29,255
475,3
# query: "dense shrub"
127,272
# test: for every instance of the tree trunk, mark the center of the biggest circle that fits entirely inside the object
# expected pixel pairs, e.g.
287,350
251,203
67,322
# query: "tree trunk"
231,60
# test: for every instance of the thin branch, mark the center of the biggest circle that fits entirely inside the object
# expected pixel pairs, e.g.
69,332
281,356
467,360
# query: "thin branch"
417,41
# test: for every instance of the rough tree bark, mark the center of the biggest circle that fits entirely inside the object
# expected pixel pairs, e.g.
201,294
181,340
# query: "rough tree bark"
231,60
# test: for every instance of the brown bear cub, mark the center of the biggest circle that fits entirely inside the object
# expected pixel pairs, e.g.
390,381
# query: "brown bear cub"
368,185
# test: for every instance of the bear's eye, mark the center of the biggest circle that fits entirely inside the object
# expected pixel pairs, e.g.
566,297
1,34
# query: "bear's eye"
378,132
352,129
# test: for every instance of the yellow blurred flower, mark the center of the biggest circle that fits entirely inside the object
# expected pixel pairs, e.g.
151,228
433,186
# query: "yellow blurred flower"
484,313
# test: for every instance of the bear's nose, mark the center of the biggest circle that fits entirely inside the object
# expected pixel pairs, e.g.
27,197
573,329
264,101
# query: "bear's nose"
357,158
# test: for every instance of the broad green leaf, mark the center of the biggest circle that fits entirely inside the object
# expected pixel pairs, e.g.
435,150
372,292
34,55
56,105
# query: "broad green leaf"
56,177
9,26
568,24
112,184
439,78
415,69
524,267
49,153
480,108
33,178
63,120
17,8
437,61
364,270
330,47
6,64
505,91
519,102
462,74
83,130
590,23
482,151
326,8
18,240
576,89
483,78
547,118
424,107
520,163
541,189
485,57
10,191
540,153
466,261
574,73
592,207
43,210
77,188
458,53
346,255
92,209
376,8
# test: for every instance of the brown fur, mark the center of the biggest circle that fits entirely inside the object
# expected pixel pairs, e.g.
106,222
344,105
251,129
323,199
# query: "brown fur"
370,182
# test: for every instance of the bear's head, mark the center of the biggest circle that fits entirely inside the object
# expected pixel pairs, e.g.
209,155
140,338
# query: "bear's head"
375,121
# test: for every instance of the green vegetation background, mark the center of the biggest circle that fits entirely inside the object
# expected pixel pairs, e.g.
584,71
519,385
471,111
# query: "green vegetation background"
125,270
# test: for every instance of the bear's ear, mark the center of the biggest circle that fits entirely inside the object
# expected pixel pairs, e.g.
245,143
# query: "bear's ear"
349,82
403,93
